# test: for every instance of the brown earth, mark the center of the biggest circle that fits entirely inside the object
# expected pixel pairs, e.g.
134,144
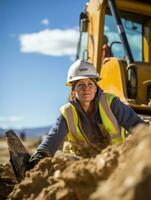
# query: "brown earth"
118,172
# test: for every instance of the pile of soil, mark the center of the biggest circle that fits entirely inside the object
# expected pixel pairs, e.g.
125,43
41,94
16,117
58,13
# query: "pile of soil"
7,180
118,172
132,178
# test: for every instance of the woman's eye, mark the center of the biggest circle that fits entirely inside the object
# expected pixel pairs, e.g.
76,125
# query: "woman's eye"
80,85
90,84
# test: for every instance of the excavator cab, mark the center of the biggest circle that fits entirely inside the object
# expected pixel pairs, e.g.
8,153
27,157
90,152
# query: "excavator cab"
127,25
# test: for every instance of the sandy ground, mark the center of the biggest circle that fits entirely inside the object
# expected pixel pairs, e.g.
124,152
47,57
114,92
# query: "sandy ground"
118,172
29,143
4,155
7,176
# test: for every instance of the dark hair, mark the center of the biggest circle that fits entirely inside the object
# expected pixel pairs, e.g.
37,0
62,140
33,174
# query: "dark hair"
73,85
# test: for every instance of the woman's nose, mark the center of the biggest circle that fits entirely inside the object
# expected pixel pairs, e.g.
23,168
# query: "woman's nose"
86,87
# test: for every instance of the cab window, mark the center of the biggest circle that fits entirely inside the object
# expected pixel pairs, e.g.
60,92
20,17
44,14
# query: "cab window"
133,29
82,46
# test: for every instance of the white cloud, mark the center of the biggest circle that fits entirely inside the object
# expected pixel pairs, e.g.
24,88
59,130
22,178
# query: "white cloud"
52,42
11,121
45,22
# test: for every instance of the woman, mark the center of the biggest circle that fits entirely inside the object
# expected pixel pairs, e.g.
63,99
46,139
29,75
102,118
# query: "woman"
91,120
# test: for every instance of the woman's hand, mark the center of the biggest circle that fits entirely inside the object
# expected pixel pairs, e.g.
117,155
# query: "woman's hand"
35,158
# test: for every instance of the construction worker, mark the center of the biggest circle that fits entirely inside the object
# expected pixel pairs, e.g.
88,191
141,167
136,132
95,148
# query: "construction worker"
106,50
91,120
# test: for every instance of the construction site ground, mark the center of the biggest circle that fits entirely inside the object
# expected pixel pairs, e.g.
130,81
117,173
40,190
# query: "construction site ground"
118,172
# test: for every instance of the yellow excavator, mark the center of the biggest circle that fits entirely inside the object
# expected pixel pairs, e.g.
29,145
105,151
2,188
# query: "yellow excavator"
124,28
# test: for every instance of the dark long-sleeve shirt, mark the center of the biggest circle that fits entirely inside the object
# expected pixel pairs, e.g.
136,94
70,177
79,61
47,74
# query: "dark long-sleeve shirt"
125,116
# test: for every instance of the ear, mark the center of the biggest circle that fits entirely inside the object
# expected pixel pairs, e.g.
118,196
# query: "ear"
72,94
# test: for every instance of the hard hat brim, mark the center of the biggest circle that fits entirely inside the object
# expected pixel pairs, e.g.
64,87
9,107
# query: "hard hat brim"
82,77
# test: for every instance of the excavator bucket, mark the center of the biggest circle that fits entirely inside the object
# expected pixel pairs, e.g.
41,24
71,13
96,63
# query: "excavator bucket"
19,156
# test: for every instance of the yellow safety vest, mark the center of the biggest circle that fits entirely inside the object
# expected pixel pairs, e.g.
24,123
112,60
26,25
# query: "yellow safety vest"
110,123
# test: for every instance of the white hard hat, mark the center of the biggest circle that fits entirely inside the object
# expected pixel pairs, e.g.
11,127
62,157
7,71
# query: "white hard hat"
81,70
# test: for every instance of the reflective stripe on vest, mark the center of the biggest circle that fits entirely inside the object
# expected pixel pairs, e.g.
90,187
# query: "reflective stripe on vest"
70,114
109,121
108,118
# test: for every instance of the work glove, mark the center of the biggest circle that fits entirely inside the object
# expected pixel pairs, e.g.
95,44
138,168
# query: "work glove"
35,158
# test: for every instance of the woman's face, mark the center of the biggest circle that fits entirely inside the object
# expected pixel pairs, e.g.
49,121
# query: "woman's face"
85,90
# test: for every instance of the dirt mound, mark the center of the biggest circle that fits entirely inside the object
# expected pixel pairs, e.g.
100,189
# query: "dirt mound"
65,177
7,180
119,172
132,178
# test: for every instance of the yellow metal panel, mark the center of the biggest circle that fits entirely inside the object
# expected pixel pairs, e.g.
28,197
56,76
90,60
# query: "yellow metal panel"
144,74
147,42
96,14
112,79
134,6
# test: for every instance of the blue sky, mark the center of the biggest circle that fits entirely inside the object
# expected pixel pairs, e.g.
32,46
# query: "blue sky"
38,41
